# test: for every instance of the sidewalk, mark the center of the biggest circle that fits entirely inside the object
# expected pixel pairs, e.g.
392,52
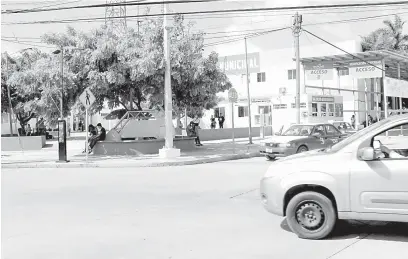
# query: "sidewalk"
212,151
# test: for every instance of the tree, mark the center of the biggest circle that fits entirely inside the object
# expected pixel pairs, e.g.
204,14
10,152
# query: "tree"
390,37
116,65
24,101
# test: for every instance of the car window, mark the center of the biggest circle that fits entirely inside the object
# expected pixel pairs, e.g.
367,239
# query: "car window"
358,135
319,129
395,139
298,130
331,130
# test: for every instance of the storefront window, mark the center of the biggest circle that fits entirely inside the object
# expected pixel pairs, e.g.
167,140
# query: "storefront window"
331,109
314,109
323,109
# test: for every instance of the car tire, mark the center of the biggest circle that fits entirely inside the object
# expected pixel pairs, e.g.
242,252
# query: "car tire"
270,158
311,215
302,149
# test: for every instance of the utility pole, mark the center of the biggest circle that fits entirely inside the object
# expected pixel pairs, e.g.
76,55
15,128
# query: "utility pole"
248,93
297,27
62,84
9,97
168,150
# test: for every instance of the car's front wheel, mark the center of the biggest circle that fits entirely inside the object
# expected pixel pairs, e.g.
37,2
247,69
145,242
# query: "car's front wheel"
311,215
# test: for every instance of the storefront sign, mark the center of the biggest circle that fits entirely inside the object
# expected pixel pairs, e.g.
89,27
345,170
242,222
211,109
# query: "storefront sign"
396,88
322,99
362,69
319,71
236,65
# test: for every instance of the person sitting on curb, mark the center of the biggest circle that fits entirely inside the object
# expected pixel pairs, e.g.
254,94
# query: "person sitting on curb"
99,137
91,134
192,131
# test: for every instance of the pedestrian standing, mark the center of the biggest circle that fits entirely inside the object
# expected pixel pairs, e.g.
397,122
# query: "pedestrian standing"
28,130
212,120
221,121
353,121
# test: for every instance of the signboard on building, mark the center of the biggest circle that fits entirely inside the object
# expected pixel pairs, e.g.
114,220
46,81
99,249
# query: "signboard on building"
236,64
396,88
362,69
322,99
319,71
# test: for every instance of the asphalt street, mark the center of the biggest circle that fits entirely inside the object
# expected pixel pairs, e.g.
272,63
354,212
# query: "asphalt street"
209,211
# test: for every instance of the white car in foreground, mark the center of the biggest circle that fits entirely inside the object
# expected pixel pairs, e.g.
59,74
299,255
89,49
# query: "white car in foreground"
364,177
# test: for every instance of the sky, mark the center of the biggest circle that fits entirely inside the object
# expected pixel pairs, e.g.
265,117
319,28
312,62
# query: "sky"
215,25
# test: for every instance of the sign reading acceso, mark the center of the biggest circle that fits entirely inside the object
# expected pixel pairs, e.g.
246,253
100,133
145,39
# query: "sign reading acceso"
363,69
319,71
236,64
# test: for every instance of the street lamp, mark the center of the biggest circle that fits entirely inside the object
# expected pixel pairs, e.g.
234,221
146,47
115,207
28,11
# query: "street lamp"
58,51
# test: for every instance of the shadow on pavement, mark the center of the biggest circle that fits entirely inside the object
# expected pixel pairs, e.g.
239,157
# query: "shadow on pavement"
389,231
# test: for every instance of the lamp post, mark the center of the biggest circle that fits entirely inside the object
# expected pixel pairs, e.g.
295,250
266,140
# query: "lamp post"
58,51
168,151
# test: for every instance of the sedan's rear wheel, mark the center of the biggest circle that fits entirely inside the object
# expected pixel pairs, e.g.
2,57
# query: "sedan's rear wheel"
311,215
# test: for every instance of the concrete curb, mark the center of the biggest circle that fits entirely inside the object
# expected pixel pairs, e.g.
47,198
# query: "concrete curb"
128,165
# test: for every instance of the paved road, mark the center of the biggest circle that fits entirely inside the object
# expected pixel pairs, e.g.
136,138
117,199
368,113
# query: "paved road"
192,212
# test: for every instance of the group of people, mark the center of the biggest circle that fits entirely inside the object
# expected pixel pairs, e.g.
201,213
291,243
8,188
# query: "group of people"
221,121
96,134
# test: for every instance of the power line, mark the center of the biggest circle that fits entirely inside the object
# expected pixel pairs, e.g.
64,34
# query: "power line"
331,44
313,24
131,3
129,17
39,8
226,11
27,44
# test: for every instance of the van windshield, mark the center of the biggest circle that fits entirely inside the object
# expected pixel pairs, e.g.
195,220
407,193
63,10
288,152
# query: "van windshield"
357,135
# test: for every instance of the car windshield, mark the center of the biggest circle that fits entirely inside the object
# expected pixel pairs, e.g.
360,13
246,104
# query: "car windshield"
357,135
298,130
342,125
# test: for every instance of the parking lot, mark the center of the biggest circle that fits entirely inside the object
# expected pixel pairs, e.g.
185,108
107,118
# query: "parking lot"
202,211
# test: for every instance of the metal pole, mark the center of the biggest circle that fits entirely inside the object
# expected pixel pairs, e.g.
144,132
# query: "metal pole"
62,83
385,91
366,101
297,28
249,96
399,78
233,133
9,97
167,84
86,138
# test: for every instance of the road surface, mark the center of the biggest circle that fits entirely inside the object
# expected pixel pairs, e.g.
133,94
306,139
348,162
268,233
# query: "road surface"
209,211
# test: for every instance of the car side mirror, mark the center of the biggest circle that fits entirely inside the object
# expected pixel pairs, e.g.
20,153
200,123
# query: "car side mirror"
367,154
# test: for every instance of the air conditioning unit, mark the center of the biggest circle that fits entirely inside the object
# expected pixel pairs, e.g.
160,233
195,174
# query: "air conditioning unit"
282,91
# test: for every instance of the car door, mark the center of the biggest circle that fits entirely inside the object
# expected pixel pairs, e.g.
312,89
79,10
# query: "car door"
381,186
318,142
333,135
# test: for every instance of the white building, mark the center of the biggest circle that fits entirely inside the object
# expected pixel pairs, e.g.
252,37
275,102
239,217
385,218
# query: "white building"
273,85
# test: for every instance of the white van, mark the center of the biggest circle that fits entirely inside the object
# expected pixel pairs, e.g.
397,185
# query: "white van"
364,177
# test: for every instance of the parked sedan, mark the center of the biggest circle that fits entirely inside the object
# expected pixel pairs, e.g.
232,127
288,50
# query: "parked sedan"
300,138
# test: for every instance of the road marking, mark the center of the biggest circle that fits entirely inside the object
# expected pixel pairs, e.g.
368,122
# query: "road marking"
243,193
